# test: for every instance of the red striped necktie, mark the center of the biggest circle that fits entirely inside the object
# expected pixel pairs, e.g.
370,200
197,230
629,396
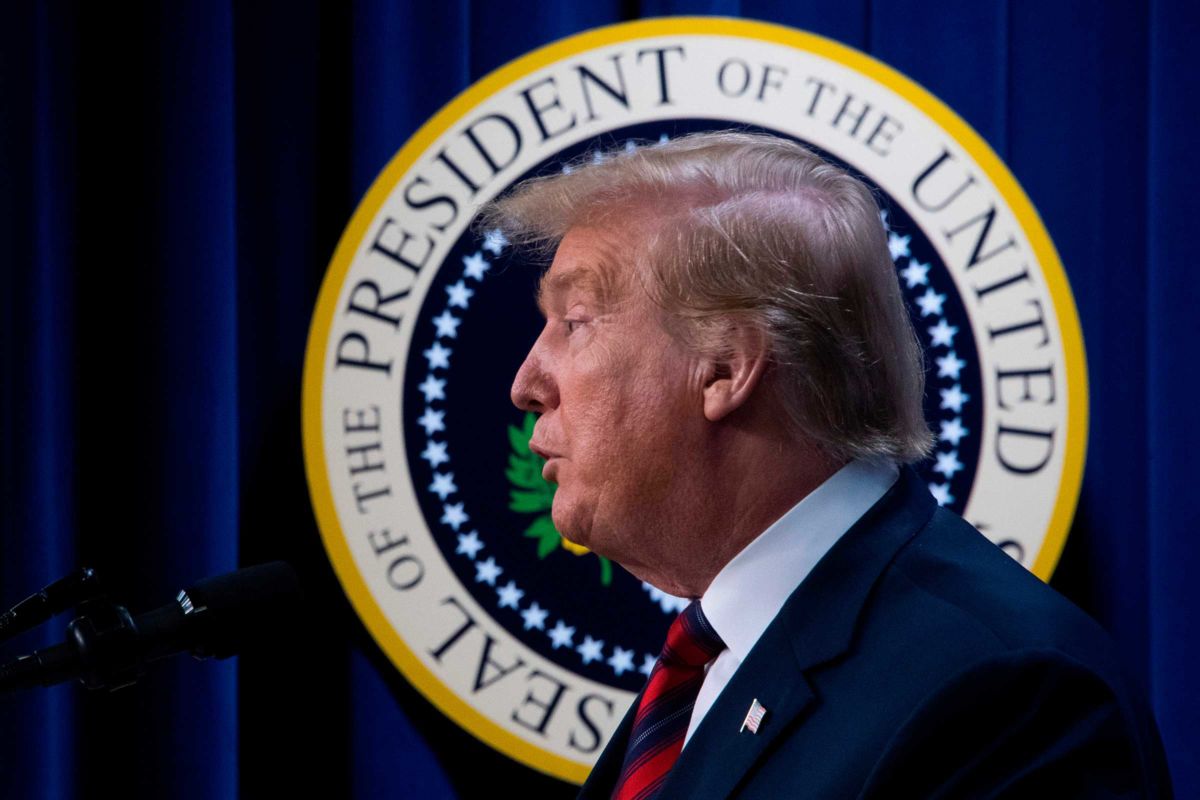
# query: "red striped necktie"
663,715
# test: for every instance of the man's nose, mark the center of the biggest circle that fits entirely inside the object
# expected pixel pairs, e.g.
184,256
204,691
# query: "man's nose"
534,388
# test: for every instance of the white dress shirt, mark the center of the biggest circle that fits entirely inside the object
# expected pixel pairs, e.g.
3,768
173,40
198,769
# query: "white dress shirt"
750,590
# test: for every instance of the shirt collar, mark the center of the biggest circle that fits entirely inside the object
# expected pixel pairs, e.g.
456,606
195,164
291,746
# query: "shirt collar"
749,591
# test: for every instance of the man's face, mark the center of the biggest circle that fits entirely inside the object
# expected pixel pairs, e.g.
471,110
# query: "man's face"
617,398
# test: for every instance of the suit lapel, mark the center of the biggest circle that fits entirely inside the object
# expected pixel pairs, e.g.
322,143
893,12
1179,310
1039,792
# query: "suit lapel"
719,753
815,626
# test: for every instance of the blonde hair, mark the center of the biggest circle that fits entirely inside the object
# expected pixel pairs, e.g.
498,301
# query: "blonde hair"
734,228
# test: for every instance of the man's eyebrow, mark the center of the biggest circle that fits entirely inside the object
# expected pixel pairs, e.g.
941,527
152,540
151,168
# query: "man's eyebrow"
586,279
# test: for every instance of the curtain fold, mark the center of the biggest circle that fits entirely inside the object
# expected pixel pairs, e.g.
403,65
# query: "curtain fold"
1173,348
38,304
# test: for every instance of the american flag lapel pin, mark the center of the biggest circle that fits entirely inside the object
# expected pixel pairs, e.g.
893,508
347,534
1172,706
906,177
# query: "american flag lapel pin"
754,717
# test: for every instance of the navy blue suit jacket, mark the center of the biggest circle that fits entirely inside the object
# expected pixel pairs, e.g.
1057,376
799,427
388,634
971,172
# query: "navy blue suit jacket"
917,660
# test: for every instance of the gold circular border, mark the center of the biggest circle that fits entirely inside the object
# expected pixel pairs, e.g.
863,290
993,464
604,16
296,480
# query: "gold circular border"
314,360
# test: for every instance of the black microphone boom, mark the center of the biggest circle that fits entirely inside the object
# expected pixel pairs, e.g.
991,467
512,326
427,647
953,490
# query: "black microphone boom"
76,588
107,648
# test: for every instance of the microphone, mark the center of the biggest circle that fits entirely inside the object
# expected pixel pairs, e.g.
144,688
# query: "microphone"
108,648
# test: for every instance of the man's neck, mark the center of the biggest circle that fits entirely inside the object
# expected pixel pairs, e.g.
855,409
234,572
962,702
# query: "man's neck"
749,486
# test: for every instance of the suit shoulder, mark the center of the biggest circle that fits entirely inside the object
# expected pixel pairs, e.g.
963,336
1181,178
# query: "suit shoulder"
996,640
1027,722
954,576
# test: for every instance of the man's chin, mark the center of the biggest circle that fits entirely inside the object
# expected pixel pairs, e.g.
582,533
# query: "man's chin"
567,526
576,537
577,523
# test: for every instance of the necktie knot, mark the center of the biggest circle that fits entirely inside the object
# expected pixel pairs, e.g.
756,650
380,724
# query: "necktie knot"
691,640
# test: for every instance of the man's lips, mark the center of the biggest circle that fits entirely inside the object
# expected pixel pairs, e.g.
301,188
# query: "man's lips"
543,451
549,469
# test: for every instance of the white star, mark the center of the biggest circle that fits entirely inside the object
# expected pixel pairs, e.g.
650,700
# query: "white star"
443,485
915,274
495,241
953,398
953,431
562,635
664,138
941,493
950,365
591,649
435,453
453,515
883,217
438,356
433,388
621,661
942,333
447,324
898,245
459,294
669,603
535,617
566,169
475,265
487,571
930,302
647,666
948,464
510,595
469,544
630,145
432,421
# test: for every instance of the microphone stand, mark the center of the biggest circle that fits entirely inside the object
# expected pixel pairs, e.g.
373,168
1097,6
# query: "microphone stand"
100,640
108,648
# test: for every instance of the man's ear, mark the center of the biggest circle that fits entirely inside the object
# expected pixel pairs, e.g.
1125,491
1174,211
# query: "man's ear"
732,379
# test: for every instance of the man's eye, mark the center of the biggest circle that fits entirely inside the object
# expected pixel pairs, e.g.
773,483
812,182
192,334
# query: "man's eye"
572,325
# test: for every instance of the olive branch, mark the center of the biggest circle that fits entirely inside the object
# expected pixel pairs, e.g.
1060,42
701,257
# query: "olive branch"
530,493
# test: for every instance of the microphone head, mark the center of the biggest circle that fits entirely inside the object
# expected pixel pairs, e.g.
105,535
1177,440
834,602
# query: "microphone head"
228,612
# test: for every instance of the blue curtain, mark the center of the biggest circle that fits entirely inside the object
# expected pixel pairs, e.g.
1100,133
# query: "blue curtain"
173,179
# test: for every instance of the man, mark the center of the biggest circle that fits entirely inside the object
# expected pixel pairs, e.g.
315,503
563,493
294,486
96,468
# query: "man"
727,381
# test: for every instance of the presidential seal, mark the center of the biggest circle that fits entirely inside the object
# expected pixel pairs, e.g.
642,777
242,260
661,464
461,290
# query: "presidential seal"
430,502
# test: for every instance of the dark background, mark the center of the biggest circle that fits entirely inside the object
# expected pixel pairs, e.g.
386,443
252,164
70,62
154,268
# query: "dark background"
173,180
